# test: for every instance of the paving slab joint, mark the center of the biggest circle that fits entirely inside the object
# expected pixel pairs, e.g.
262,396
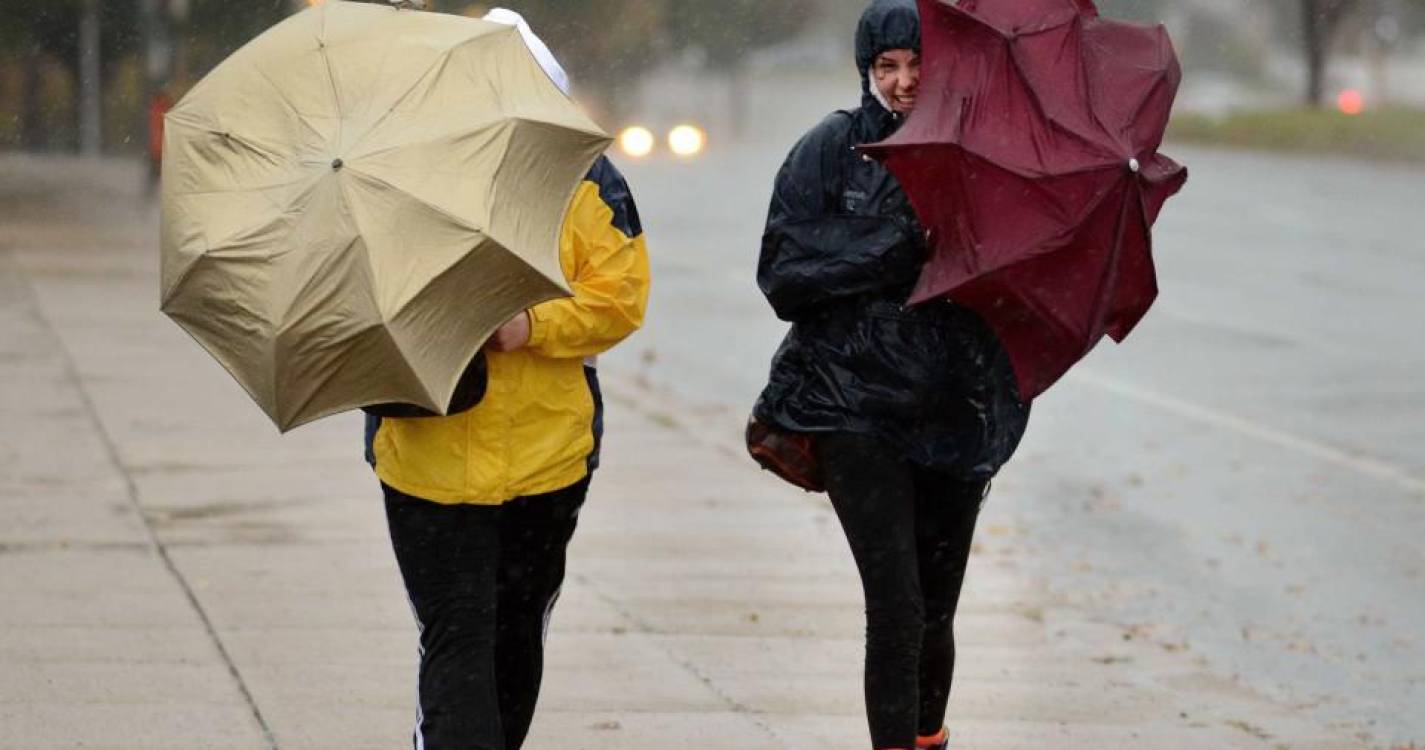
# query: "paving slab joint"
644,627
155,543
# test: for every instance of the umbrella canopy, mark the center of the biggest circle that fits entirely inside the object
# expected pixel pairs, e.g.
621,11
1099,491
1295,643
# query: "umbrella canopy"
357,199
1032,158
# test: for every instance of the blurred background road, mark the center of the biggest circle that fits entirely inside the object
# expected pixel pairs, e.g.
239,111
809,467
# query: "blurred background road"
1243,478
178,575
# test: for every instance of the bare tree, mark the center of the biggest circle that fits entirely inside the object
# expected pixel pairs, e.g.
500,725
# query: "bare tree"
1321,19
91,86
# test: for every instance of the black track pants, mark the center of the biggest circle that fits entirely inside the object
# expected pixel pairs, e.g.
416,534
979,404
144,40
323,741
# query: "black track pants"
482,581
910,531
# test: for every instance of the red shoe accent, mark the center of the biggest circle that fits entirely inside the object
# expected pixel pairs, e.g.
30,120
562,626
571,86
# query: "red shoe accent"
938,741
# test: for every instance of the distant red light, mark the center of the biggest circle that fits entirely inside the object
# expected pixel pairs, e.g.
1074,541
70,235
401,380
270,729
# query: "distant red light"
1350,102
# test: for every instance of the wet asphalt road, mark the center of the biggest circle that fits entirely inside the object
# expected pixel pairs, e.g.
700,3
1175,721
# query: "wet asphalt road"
1244,478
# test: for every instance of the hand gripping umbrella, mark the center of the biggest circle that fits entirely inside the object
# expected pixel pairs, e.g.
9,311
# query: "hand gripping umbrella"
1032,158
357,199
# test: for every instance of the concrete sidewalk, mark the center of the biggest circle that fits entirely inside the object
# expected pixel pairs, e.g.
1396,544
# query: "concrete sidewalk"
173,574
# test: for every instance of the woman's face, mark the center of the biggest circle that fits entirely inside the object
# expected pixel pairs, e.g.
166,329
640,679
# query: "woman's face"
896,73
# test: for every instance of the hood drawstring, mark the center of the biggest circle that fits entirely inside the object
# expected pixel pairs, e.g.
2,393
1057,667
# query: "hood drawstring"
876,92
536,46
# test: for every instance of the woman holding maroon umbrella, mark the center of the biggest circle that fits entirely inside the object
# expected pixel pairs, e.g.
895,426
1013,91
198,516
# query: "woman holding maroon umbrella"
906,412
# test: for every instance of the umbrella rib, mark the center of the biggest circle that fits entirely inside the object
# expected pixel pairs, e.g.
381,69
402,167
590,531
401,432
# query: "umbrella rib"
463,130
251,144
1006,35
180,117
1147,96
444,213
381,66
245,189
370,269
451,268
330,375
1088,211
288,319
1042,312
182,277
1146,99
1083,74
500,168
1034,182
281,95
406,365
356,221
209,247
331,76
545,298
1028,174
1110,275
1039,102
262,190
439,62
1111,164
1142,215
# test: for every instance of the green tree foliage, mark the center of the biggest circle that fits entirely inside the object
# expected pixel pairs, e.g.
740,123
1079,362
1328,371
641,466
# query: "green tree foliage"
52,28
604,43
214,29
36,37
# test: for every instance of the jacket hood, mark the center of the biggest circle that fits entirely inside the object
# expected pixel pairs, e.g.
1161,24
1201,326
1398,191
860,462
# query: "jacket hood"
886,24
536,46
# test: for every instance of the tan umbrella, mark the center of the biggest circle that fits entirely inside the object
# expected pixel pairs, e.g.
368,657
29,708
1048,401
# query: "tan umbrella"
356,200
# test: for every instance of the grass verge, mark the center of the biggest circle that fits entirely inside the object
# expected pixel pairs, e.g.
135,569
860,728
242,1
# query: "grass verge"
1396,134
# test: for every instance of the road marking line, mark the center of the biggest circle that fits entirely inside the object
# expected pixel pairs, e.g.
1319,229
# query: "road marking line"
1360,463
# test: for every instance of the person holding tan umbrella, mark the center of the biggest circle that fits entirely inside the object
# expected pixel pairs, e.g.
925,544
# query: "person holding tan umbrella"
373,207
482,504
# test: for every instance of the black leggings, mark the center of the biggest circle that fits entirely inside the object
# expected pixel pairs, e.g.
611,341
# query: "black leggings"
482,582
910,531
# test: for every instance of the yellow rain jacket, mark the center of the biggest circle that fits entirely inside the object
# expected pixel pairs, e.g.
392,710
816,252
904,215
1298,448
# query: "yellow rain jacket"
537,428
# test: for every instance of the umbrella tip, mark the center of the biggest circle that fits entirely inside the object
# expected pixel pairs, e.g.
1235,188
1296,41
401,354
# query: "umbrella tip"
1133,166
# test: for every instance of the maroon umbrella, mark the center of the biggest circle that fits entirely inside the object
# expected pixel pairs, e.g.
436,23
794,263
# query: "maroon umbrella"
1032,157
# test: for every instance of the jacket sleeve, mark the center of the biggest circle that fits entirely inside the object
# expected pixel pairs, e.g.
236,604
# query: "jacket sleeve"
811,251
606,261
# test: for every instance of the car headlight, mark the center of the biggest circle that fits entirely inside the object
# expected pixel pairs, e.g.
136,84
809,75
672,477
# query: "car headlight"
687,140
636,141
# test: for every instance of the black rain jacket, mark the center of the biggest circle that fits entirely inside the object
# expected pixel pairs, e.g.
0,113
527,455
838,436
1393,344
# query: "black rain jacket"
840,255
